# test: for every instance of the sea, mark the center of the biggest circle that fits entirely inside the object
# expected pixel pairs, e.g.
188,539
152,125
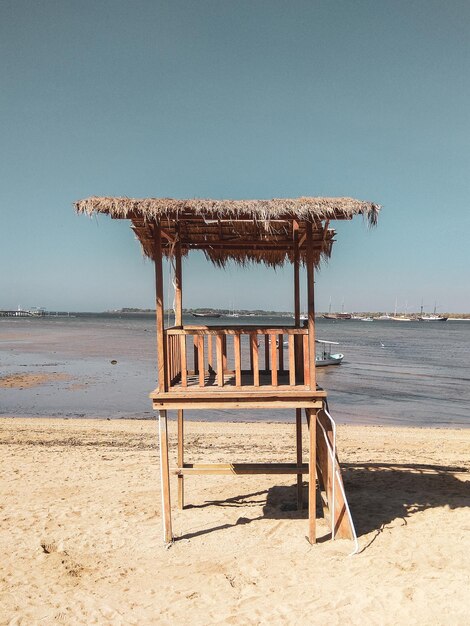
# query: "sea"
410,374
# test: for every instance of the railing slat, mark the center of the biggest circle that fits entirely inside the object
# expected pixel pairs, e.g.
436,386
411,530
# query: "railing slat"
211,356
220,360
254,347
237,354
306,362
273,360
184,366
292,380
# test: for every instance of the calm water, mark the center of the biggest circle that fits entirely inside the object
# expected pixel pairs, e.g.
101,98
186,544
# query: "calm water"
393,373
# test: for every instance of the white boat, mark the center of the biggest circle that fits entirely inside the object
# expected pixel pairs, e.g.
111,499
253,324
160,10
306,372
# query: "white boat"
324,357
432,318
208,314
400,318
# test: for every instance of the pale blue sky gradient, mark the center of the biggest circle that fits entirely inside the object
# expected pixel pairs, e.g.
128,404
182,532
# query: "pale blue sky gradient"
244,99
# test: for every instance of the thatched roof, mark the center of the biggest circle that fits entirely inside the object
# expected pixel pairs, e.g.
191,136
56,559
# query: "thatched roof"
241,230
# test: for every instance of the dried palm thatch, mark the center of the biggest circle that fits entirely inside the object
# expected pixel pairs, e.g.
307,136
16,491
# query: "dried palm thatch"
244,231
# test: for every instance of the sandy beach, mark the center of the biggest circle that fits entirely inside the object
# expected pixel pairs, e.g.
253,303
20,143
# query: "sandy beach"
82,541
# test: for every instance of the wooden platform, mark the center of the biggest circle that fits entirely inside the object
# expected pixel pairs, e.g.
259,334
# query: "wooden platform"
245,396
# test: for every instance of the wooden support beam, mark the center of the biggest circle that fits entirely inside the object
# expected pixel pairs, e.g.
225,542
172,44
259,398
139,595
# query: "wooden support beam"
179,285
160,312
240,468
165,477
310,308
312,476
298,442
180,457
295,233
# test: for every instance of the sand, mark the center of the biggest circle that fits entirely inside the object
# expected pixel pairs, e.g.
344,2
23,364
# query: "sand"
81,538
27,380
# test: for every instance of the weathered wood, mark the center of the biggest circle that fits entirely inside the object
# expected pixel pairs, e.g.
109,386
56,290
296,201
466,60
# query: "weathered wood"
220,360
178,285
190,329
180,457
239,468
330,473
183,361
273,360
296,263
160,312
165,477
312,477
298,445
232,404
281,352
266,391
292,379
306,367
254,348
310,306
237,356
295,237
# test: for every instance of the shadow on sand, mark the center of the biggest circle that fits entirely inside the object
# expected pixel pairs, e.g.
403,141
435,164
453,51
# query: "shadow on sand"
378,494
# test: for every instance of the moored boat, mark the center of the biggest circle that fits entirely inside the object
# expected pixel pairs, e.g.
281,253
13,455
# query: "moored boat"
209,314
324,357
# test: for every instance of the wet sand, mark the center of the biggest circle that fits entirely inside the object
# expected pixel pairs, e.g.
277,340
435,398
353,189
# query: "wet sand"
81,538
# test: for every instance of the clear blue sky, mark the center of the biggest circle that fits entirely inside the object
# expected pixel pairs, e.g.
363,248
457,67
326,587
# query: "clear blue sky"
235,99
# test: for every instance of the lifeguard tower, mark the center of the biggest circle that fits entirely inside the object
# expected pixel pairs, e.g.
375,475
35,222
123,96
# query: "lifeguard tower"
242,367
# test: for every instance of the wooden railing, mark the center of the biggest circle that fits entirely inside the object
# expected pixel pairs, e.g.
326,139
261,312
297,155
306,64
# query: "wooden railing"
239,357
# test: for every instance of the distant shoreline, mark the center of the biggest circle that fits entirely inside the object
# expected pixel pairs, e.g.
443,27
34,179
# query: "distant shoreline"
263,313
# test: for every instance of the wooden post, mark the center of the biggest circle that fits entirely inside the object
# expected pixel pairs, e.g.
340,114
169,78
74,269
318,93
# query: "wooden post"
295,232
297,338
312,476
180,458
298,439
160,312
311,308
165,477
179,286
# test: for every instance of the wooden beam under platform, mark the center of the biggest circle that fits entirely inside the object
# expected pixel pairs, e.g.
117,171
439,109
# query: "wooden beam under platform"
240,468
